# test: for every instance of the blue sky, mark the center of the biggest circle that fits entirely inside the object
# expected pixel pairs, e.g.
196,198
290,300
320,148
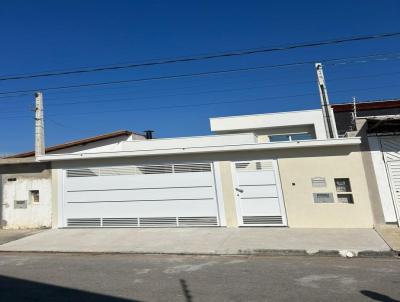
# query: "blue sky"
56,35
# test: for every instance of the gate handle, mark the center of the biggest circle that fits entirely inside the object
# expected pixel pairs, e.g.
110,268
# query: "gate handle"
239,190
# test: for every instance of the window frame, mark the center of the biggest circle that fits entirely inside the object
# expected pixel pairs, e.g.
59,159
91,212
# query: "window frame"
344,194
290,137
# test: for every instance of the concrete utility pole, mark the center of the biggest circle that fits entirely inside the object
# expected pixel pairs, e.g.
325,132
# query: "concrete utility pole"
39,125
354,114
326,108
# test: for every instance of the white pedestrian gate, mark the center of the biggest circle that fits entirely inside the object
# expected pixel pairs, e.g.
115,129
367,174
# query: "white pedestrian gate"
167,195
394,173
390,146
259,199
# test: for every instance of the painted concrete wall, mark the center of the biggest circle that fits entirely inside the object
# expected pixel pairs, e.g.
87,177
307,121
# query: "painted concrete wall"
106,145
18,187
228,193
189,142
297,166
302,212
247,123
382,202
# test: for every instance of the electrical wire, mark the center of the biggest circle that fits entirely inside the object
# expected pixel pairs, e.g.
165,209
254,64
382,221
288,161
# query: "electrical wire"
202,104
234,53
176,76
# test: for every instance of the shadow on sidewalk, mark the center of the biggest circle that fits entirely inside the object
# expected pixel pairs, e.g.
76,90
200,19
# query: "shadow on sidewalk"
377,296
16,290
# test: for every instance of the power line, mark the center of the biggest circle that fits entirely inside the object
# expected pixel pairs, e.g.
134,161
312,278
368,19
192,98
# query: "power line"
225,102
187,75
211,91
203,92
201,104
192,93
234,53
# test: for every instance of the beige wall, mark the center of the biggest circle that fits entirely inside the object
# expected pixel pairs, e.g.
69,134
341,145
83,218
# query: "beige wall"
228,193
296,168
302,212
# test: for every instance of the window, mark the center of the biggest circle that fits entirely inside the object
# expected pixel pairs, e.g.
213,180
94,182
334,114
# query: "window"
290,137
279,138
323,197
301,136
34,196
343,188
345,198
342,185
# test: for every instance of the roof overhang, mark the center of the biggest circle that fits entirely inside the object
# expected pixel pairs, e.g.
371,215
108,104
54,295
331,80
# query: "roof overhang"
211,147
383,124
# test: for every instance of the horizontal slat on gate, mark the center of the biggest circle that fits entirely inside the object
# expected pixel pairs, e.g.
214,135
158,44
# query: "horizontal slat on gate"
259,191
198,221
256,178
174,208
146,194
255,206
122,222
84,222
262,220
139,170
139,181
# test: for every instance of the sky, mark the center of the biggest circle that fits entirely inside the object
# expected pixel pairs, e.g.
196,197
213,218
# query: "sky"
37,36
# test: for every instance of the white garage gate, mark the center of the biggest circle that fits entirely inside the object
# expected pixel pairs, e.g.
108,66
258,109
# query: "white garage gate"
168,195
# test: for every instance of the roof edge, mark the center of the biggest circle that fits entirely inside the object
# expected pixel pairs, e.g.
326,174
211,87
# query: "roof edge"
368,105
75,143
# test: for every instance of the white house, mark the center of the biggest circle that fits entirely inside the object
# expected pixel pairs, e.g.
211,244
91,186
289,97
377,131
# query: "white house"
277,169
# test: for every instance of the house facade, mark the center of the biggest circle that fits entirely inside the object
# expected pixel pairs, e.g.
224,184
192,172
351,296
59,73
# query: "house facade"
27,186
277,169
377,123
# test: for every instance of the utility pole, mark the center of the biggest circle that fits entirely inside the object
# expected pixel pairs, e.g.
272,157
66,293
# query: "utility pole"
326,108
39,125
354,113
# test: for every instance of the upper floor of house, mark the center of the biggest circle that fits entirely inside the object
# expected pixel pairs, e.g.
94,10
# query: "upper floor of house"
274,127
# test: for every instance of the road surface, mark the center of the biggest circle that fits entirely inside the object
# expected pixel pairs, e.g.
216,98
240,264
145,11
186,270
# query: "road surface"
120,278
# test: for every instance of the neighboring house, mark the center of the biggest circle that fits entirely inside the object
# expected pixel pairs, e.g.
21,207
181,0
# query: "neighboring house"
276,169
378,124
27,185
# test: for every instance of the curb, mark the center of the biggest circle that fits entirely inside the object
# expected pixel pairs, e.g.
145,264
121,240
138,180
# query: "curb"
256,253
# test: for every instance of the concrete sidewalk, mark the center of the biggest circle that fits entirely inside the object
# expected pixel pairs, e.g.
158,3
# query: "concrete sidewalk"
391,235
12,235
207,241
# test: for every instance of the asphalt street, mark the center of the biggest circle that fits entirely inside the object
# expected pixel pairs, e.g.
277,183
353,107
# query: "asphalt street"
118,278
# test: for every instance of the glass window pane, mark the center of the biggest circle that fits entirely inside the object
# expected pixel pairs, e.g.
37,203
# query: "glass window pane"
279,138
345,198
342,185
301,136
323,197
